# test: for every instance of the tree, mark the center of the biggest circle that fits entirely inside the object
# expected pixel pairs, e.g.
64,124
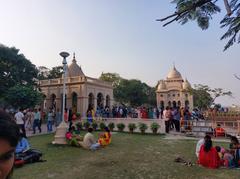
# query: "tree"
236,76
130,92
55,72
203,10
114,78
18,79
21,96
201,98
204,96
45,73
15,69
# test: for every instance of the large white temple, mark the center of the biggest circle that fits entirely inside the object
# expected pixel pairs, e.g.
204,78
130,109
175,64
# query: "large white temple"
174,91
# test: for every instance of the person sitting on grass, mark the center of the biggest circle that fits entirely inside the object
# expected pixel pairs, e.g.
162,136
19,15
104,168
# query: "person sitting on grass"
23,145
9,136
89,141
235,150
105,138
208,155
73,138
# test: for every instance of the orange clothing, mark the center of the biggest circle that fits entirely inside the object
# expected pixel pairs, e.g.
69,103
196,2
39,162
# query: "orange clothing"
105,139
219,131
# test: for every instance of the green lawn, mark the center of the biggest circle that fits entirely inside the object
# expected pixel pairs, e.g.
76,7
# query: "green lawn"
129,156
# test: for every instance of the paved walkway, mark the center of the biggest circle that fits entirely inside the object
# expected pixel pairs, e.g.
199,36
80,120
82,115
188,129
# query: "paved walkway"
44,131
180,136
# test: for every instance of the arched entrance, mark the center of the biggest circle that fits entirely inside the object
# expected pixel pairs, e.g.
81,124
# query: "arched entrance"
186,104
162,104
174,104
53,102
90,101
179,103
100,100
74,102
169,104
107,101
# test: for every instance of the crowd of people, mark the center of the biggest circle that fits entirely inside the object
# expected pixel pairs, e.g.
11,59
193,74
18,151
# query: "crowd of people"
216,156
74,138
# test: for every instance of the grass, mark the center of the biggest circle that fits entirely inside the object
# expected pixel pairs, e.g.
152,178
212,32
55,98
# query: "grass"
128,157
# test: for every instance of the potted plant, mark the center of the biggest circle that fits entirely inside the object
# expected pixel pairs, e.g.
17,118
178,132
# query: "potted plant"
86,125
120,127
79,126
78,115
102,125
94,125
132,127
155,126
111,126
142,127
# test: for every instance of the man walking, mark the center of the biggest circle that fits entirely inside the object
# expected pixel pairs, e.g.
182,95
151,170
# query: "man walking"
36,122
19,117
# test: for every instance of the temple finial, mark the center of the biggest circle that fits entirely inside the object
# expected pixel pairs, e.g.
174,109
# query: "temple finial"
74,59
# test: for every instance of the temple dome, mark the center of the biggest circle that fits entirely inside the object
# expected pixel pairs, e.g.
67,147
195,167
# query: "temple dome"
186,85
174,73
162,86
74,69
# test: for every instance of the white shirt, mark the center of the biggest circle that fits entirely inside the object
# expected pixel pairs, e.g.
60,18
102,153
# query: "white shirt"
19,117
198,147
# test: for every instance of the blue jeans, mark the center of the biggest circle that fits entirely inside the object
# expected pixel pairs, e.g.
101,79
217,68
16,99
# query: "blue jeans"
49,126
95,146
36,123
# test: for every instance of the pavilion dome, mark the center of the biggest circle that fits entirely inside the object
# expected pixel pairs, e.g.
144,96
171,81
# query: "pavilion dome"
186,85
74,69
161,86
173,73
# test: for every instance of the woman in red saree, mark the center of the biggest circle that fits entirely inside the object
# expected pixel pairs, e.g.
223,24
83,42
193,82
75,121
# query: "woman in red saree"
208,155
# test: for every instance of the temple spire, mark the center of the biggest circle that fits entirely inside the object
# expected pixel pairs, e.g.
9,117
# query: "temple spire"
74,59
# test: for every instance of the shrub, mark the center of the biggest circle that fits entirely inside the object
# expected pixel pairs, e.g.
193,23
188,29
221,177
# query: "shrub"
86,125
79,126
142,127
155,126
94,125
78,114
102,125
132,127
120,127
111,126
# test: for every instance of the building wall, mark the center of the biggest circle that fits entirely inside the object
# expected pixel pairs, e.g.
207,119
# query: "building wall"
82,90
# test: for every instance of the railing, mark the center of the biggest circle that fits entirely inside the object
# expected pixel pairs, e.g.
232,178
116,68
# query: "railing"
74,80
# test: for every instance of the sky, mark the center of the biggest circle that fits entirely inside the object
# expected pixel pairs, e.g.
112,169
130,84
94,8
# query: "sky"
121,36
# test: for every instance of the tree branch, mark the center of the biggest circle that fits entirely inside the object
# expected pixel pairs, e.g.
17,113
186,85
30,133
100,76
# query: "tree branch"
238,77
181,13
228,8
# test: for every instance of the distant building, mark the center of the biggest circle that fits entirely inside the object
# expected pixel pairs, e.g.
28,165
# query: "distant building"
174,91
82,92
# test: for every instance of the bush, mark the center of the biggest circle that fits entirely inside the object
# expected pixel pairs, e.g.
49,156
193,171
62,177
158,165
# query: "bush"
142,127
86,125
78,114
79,126
111,126
132,127
155,126
120,127
94,125
102,125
